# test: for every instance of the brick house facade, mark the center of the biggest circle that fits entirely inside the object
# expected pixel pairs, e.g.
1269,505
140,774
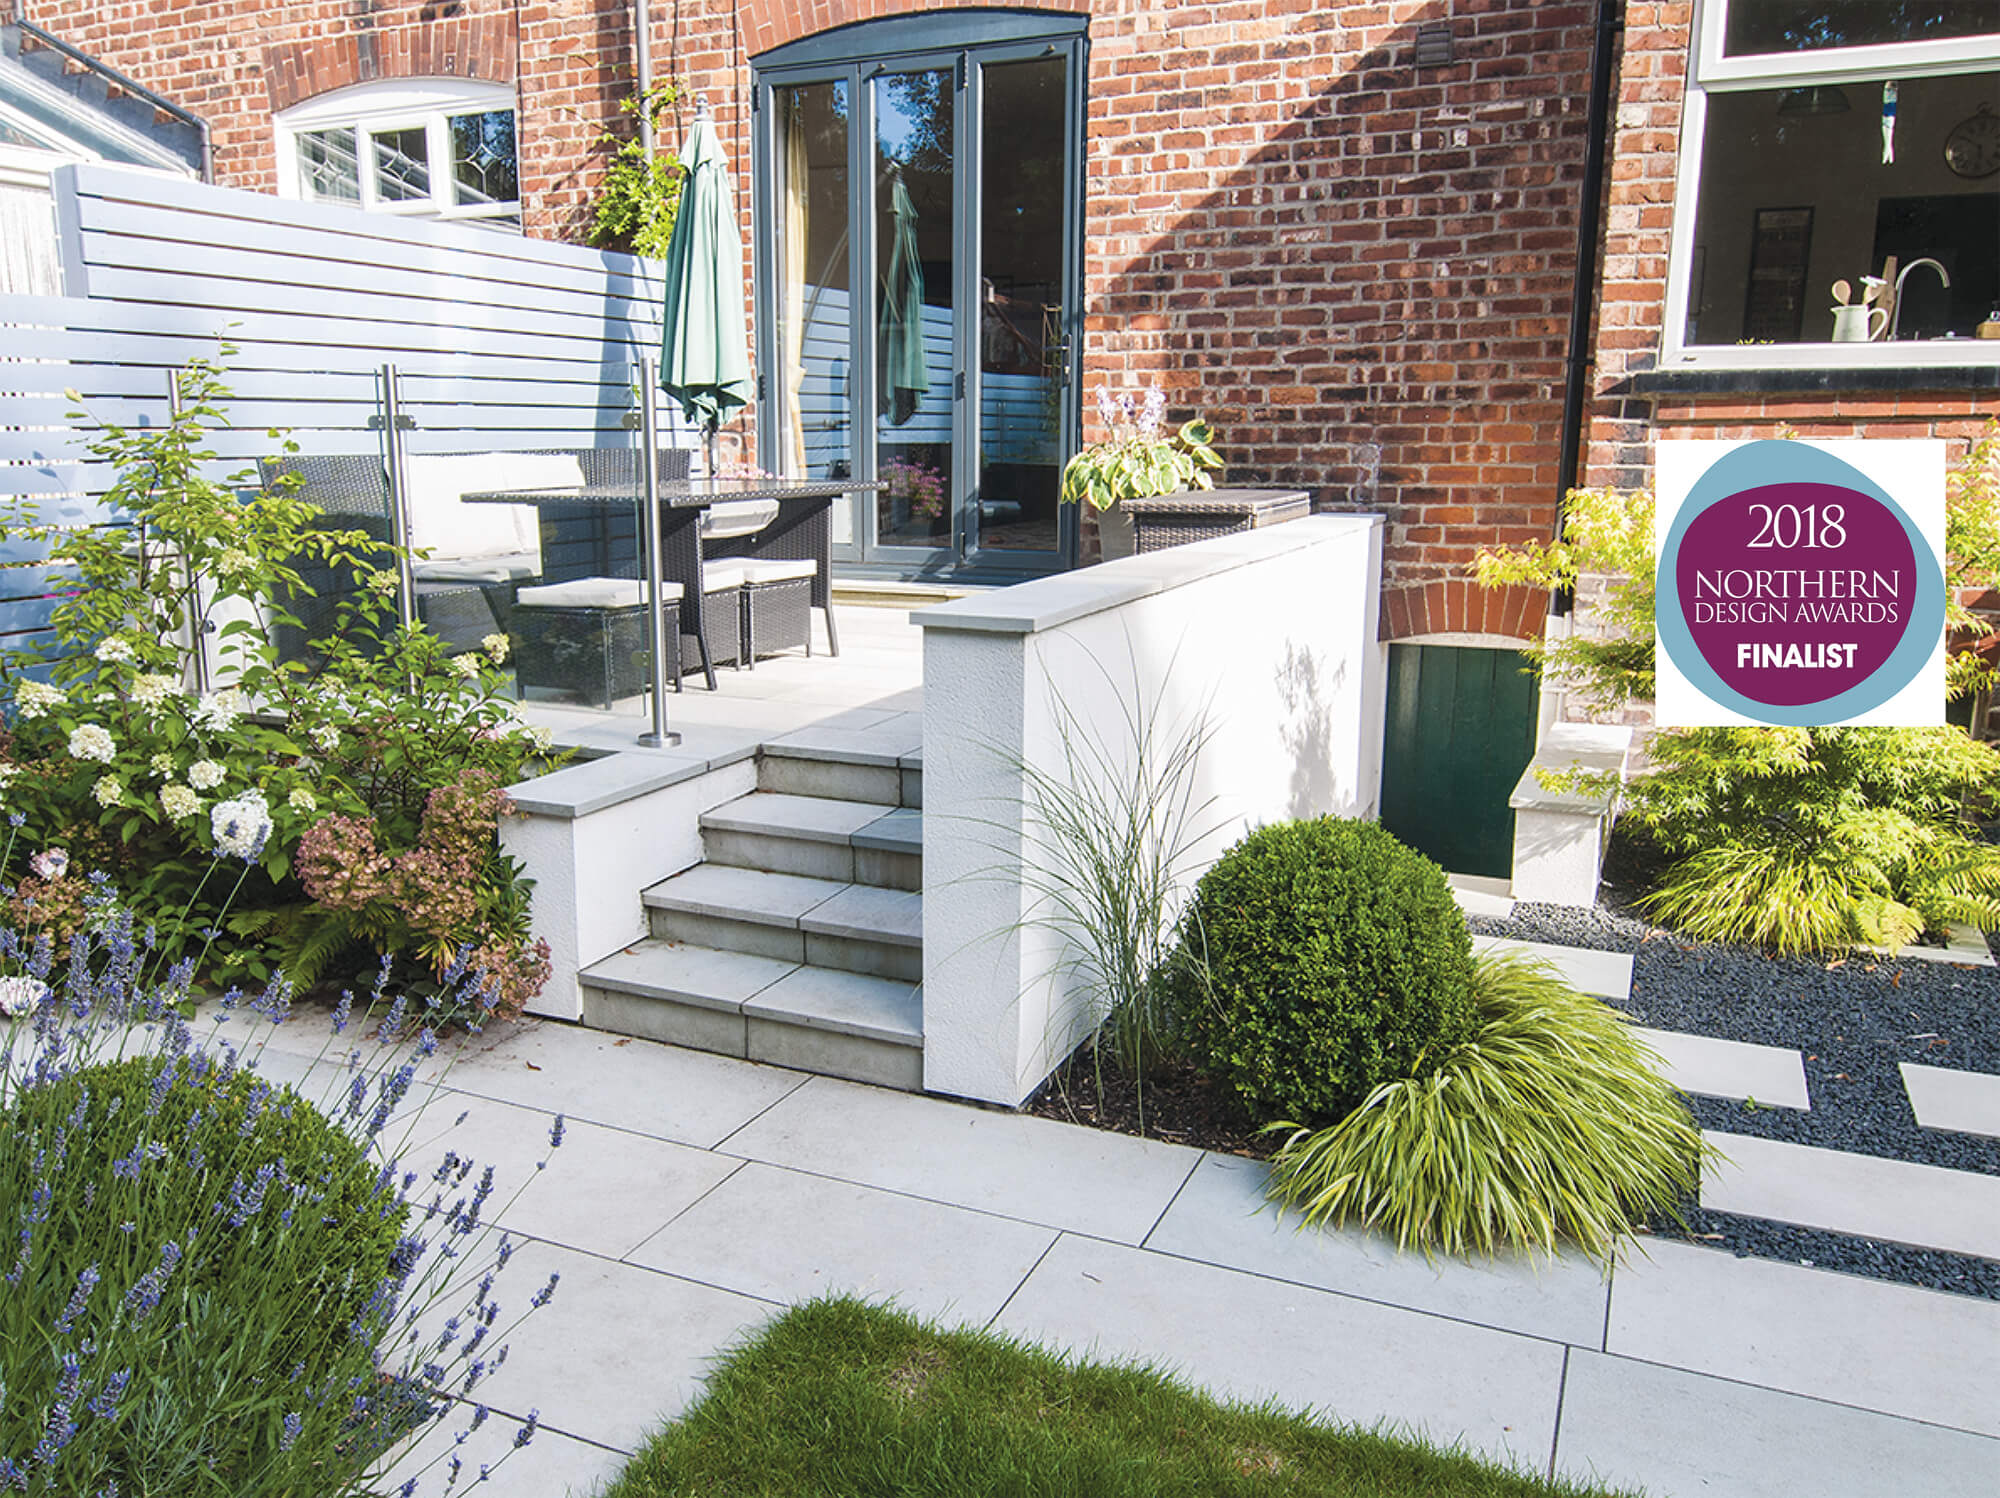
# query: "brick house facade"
1360,269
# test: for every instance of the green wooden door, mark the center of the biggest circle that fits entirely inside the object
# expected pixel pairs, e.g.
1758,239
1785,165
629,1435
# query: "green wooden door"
1461,730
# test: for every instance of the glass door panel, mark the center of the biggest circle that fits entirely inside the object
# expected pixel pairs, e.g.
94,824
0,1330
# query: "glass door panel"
916,277
814,304
1022,350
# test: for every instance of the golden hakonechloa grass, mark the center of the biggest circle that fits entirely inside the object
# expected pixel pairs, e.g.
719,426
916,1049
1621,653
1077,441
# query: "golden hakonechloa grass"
1551,1124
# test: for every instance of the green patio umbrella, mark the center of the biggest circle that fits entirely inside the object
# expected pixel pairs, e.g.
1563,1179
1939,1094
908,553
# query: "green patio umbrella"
704,357
904,376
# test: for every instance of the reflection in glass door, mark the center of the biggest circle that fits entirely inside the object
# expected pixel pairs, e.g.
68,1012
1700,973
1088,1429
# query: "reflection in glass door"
915,333
1023,346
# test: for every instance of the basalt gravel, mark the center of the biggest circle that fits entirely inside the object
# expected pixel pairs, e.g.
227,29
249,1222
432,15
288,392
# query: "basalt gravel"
1853,1021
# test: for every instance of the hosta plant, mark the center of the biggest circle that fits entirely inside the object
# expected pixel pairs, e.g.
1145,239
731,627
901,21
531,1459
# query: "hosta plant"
1549,1125
1141,457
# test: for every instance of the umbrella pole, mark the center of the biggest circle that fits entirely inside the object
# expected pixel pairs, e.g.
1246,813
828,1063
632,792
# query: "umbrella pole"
708,432
656,614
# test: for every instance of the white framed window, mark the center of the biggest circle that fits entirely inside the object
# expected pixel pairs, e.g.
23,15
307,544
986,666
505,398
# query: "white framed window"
1822,143
424,147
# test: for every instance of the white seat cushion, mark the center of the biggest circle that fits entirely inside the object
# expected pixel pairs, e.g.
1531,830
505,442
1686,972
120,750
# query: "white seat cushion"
593,593
775,570
720,577
508,569
737,517
450,529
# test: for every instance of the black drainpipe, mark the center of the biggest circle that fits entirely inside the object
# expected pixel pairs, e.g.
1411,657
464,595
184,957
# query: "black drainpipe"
1583,296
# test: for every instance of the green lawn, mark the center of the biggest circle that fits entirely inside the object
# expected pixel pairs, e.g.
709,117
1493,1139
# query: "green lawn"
844,1400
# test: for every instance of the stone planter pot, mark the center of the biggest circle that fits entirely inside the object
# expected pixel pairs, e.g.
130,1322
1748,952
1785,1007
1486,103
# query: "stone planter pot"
1114,534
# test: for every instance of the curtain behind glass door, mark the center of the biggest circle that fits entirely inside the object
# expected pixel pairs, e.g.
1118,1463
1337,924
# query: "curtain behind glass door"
815,303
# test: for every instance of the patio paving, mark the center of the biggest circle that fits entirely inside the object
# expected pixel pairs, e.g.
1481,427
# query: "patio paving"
695,1196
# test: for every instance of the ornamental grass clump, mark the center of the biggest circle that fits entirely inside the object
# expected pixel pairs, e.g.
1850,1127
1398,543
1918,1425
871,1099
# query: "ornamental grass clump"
1550,1123
1320,959
211,1286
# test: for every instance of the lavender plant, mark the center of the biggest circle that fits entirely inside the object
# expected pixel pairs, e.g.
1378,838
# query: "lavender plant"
214,1286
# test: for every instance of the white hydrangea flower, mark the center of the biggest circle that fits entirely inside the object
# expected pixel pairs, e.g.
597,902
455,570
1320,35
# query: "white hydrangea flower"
495,647
241,824
113,648
540,737
34,698
205,774
162,764
232,561
326,738
178,801
7,774
302,800
150,689
92,742
218,711
109,791
21,995
465,665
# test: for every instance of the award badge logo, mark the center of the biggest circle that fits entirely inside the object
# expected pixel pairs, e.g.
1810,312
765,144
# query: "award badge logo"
1800,583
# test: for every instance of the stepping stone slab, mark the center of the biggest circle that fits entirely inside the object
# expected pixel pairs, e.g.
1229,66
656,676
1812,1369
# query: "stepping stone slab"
1920,1354
1923,1205
1246,1337
1033,1169
1675,1434
1773,1075
1966,1102
787,1236
1221,1217
1606,974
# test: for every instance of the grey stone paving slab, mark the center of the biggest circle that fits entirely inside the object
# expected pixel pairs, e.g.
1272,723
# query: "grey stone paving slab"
618,1350
1925,1205
689,1097
788,1237
686,974
897,831
1681,1435
1251,1338
1479,895
869,914
1221,1217
1607,974
743,894
880,743
826,998
776,814
1967,1102
552,1465
1920,1354
1034,1169
1773,1075
604,1190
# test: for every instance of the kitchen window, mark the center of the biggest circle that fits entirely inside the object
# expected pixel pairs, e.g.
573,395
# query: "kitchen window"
1839,154
426,148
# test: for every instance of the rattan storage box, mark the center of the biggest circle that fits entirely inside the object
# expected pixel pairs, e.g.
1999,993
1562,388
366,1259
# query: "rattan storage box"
1197,514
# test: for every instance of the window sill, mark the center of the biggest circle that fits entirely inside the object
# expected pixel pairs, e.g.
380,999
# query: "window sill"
1869,379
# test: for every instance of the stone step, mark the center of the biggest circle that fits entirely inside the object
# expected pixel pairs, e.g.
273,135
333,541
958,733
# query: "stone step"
1606,974
836,1024
818,837
843,766
1926,1206
1770,1076
792,918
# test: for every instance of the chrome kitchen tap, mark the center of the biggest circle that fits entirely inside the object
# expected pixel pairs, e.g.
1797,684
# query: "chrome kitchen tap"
1896,316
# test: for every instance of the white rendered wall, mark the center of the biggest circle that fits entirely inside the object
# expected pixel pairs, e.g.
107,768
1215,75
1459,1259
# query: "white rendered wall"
595,835
1267,637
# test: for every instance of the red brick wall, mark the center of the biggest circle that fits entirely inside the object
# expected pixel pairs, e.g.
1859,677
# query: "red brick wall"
236,62
1288,226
